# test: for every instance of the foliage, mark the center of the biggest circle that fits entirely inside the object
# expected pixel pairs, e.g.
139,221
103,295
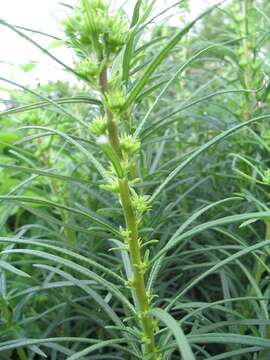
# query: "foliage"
135,204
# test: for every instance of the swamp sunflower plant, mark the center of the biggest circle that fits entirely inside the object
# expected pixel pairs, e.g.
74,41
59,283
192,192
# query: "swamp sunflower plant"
118,242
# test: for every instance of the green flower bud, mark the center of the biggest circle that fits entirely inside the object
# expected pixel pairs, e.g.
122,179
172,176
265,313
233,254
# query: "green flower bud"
130,283
240,51
129,145
125,234
140,203
103,30
98,126
142,314
266,177
115,100
116,33
87,69
100,23
111,186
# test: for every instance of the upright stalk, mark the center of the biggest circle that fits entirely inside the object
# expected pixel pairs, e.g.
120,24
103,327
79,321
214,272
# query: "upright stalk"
102,34
133,241
138,269
111,124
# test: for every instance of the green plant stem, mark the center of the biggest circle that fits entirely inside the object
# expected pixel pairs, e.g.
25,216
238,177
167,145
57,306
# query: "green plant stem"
112,126
137,265
113,134
138,281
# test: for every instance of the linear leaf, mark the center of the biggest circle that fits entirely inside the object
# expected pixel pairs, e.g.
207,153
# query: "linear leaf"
216,267
81,269
90,349
64,251
41,172
160,57
41,201
6,266
48,100
222,338
201,149
178,333
43,104
69,139
107,309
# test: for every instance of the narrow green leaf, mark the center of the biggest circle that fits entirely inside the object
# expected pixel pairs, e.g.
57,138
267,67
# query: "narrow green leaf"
15,344
48,100
78,268
43,104
182,227
201,149
178,333
69,139
6,266
35,200
41,172
186,105
262,215
216,267
223,338
78,355
160,57
235,353
200,307
99,300
175,76
64,251
136,13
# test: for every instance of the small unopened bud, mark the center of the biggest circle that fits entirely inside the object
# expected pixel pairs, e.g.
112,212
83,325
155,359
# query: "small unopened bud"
112,186
116,100
98,126
266,177
129,145
140,203
87,69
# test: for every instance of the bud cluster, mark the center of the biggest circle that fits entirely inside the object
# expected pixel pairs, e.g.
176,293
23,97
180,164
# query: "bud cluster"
140,204
115,100
96,34
129,145
98,126
266,177
88,69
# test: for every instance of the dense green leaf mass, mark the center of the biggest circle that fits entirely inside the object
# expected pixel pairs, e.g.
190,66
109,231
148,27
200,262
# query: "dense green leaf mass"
134,203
